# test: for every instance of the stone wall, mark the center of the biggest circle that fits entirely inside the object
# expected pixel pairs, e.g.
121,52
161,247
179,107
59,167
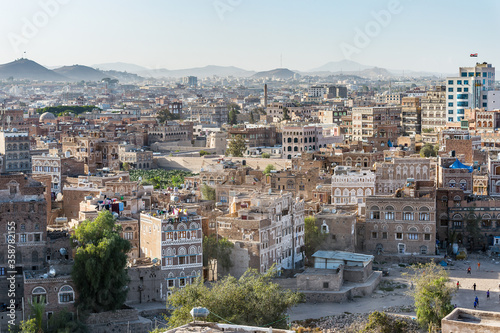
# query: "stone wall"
320,279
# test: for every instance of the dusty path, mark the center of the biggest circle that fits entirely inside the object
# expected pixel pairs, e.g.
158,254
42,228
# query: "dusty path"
488,277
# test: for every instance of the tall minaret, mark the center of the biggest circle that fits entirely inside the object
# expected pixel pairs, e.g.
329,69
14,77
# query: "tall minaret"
265,96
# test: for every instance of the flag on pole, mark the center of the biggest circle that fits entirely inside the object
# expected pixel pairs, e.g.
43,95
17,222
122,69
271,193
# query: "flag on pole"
473,55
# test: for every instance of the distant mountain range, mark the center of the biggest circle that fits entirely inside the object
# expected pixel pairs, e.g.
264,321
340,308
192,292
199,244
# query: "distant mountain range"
25,69
28,69
278,73
349,67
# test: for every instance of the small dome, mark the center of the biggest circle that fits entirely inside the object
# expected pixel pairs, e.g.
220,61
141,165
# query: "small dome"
47,116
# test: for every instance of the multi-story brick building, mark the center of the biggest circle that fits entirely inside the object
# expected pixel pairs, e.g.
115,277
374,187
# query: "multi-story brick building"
209,113
269,230
351,187
57,167
433,106
23,217
411,115
175,240
135,157
403,223
394,175
15,147
298,139
376,125
254,135
339,224
172,131
300,183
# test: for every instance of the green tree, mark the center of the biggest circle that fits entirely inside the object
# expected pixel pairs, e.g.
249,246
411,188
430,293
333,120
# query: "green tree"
99,269
313,237
432,294
29,326
286,116
37,312
234,110
266,155
252,119
269,168
207,192
165,115
204,152
251,300
125,166
236,146
473,228
219,249
429,150
380,322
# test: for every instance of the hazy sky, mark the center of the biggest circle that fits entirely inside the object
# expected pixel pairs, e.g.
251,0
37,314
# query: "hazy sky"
252,34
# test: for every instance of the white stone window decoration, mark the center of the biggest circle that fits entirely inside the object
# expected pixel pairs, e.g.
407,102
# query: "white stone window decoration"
38,294
324,228
66,295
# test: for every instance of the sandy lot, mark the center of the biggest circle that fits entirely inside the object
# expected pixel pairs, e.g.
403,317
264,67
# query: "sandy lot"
488,277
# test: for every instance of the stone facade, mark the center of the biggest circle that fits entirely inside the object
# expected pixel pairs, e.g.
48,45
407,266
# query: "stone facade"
433,106
175,240
15,147
270,231
393,175
23,218
350,187
402,225
339,226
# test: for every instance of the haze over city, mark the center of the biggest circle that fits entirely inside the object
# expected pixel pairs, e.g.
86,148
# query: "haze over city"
231,166
253,35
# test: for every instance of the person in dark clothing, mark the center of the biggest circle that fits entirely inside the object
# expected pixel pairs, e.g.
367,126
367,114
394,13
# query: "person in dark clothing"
474,285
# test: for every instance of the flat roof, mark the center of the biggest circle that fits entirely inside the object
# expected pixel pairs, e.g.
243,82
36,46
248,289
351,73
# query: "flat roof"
341,255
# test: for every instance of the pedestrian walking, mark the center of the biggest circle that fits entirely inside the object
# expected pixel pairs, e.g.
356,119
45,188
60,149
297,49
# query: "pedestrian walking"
478,266
488,294
458,285
477,300
469,270
475,304
474,285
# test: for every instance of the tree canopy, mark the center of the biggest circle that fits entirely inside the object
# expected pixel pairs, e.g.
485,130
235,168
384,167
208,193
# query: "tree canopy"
234,110
219,249
312,236
269,168
286,116
99,270
160,178
207,192
429,150
251,300
66,109
165,115
236,146
432,294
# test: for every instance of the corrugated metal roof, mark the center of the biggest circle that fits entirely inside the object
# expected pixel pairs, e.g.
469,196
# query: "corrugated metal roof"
341,255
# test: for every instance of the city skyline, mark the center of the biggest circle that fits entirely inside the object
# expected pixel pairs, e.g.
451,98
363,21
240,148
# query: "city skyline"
252,35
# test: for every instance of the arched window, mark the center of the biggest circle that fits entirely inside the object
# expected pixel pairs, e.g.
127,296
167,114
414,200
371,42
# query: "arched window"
66,295
408,214
39,295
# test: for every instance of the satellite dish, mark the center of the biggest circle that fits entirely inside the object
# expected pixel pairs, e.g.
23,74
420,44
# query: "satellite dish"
334,210
155,260
59,197
63,251
140,179
52,272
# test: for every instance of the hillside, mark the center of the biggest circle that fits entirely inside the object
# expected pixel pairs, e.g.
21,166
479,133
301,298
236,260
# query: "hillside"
25,69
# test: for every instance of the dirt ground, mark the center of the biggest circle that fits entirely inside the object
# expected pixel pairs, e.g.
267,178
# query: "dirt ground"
487,277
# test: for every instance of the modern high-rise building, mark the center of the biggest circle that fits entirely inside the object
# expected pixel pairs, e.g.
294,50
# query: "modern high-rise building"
469,90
